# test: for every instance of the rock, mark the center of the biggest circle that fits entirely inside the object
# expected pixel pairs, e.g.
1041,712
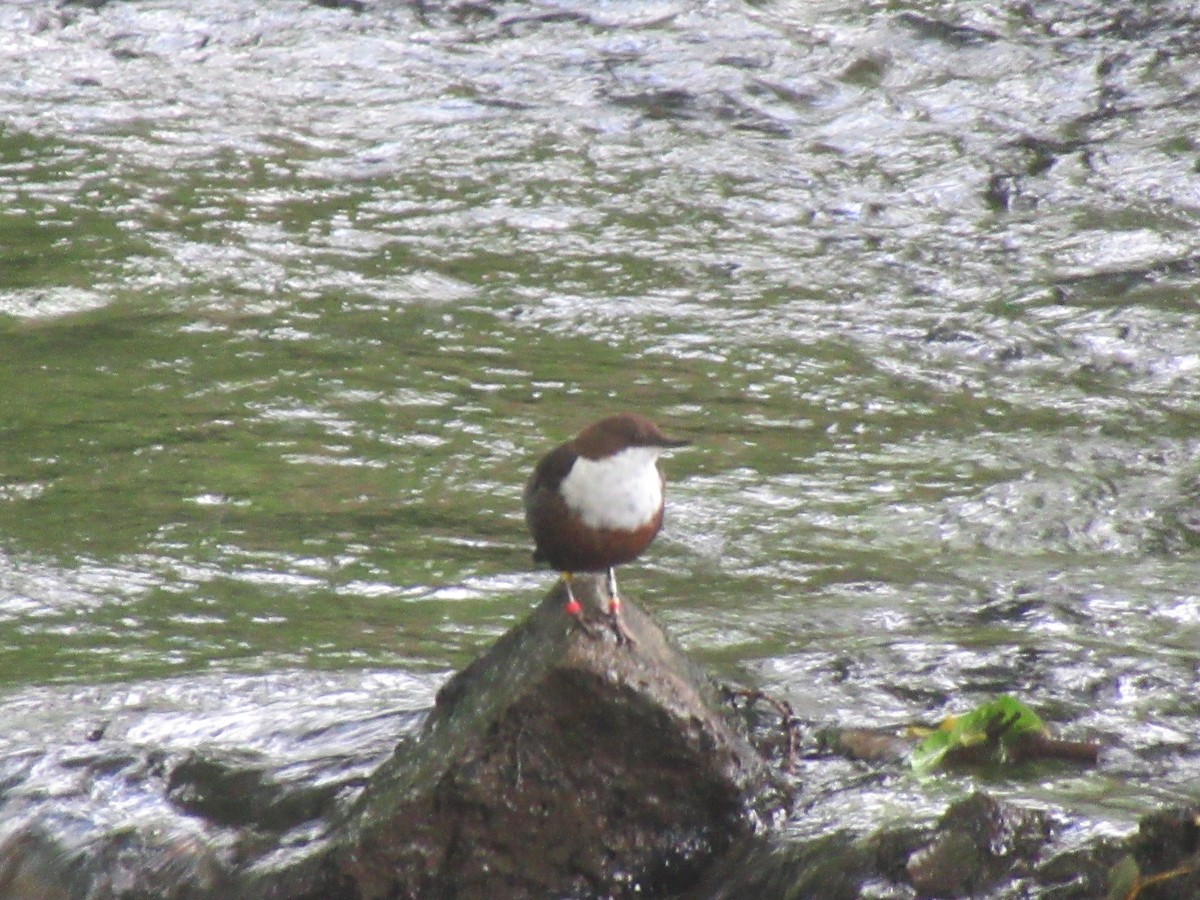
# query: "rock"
559,764
241,793
1163,862
867,744
980,847
979,843
836,866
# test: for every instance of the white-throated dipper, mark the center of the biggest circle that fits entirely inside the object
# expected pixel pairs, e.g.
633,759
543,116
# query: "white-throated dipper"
596,502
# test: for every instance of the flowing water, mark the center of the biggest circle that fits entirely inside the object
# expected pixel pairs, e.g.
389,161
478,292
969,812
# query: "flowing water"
292,296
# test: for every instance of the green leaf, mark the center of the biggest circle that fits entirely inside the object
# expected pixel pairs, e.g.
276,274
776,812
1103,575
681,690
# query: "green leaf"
989,728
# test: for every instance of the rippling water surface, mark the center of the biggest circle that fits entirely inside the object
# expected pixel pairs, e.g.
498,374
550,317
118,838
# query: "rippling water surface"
292,296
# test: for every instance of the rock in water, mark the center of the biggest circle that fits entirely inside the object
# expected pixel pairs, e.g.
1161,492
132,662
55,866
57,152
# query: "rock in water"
559,764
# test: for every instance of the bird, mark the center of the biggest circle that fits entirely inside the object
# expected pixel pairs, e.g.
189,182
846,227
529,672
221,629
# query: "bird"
596,502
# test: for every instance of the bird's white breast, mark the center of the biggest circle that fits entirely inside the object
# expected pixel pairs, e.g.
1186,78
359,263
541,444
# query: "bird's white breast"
622,491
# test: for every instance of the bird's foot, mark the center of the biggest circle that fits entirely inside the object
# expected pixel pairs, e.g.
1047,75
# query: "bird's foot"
593,629
612,618
617,623
575,611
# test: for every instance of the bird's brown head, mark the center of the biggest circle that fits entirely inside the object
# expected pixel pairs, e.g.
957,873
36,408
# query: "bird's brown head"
614,433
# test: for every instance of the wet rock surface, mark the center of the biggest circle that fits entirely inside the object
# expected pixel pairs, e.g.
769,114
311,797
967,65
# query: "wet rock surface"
561,764
978,843
1163,862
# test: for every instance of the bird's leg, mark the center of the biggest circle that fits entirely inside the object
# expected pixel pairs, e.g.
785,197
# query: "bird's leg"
615,622
574,608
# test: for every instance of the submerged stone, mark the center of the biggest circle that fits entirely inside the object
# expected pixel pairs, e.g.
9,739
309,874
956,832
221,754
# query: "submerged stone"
1163,862
979,843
